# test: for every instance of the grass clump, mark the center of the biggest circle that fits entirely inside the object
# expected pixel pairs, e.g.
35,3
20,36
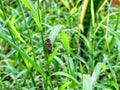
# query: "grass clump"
82,51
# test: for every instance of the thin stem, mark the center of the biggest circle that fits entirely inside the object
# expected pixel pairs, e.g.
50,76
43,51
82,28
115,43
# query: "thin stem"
45,54
26,25
44,50
30,41
41,34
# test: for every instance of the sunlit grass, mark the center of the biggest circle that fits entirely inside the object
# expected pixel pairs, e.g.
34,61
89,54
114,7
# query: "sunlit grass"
25,63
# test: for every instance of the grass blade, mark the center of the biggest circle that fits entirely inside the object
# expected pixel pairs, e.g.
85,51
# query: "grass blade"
29,4
96,72
23,54
54,32
65,42
87,85
66,75
51,57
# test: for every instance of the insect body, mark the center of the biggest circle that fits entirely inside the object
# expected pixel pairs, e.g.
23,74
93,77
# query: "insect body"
48,45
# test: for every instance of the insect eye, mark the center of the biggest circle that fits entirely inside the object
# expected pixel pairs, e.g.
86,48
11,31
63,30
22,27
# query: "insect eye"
48,40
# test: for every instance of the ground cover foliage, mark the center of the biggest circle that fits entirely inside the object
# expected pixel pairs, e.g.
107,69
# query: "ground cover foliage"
59,45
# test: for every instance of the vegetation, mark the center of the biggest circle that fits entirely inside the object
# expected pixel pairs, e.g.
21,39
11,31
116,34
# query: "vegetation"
59,45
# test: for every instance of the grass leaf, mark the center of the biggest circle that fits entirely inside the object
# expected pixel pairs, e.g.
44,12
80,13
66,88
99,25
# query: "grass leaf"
66,75
54,32
65,42
23,54
96,72
87,85
51,57
29,4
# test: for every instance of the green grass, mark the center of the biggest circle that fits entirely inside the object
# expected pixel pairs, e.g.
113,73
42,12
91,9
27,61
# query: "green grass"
25,63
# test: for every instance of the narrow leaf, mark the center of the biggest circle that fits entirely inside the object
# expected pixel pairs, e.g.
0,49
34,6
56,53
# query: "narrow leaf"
87,85
66,75
65,42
